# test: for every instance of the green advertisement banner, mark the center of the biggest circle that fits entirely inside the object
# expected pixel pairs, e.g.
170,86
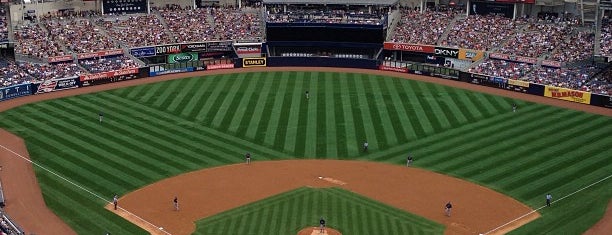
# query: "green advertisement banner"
182,57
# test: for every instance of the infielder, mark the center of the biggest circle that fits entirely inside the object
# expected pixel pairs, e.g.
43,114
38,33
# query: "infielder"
247,156
448,209
115,201
175,202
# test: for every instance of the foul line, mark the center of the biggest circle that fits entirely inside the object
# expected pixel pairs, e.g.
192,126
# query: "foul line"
80,187
542,207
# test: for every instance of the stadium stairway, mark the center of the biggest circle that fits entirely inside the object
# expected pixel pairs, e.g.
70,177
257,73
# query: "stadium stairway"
163,22
449,27
396,17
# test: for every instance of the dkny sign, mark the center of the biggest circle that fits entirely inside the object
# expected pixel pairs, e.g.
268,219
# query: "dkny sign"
446,52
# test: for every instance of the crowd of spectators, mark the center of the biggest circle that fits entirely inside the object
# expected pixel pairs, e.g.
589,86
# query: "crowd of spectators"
3,25
233,23
482,32
200,28
578,46
602,83
330,16
79,35
13,73
35,41
606,37
538,38
108,64
425,28
502,68
573,78
136,30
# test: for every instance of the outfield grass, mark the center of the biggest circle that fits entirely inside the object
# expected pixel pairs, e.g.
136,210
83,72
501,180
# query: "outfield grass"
290,212
155,131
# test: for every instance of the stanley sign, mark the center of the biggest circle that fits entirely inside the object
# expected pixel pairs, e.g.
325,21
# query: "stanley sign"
254,62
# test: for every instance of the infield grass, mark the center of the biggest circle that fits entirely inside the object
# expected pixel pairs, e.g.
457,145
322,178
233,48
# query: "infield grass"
155,131
292,211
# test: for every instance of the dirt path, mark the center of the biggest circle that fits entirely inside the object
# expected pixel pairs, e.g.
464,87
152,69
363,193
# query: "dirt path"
604,225
21,188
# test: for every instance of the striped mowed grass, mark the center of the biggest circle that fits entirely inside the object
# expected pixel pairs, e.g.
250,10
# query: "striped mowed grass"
155,131
292,211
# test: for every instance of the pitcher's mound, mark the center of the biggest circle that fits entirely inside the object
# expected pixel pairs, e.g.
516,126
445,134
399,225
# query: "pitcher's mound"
317,231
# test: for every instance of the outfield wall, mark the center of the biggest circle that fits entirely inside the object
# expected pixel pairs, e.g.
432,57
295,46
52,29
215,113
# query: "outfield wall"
566,94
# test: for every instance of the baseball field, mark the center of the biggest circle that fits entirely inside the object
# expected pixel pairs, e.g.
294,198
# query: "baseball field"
161,130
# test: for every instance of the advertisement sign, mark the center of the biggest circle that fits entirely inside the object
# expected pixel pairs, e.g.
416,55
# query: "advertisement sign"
518,83
56,85
182,57
143,51
219,66
124,6
194,47
12,92
100,54
394,46
248,49
568,94
219,46
446,52
551,63
171,71
395,69
254,62
491,8
107,75
473,55
167,49
57,59
521,59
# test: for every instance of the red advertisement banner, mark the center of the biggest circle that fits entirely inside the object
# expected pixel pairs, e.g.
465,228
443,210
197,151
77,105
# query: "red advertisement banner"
528,60
389,68
100,54
408,47
248,50
219,66
552,63
62,58
110,74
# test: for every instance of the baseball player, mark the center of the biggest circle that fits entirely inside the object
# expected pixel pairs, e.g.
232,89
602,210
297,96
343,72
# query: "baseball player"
321,225
175,202
548,199
409,160
115,201
307,95
514,108
100,116
448,209
247,156
365,146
